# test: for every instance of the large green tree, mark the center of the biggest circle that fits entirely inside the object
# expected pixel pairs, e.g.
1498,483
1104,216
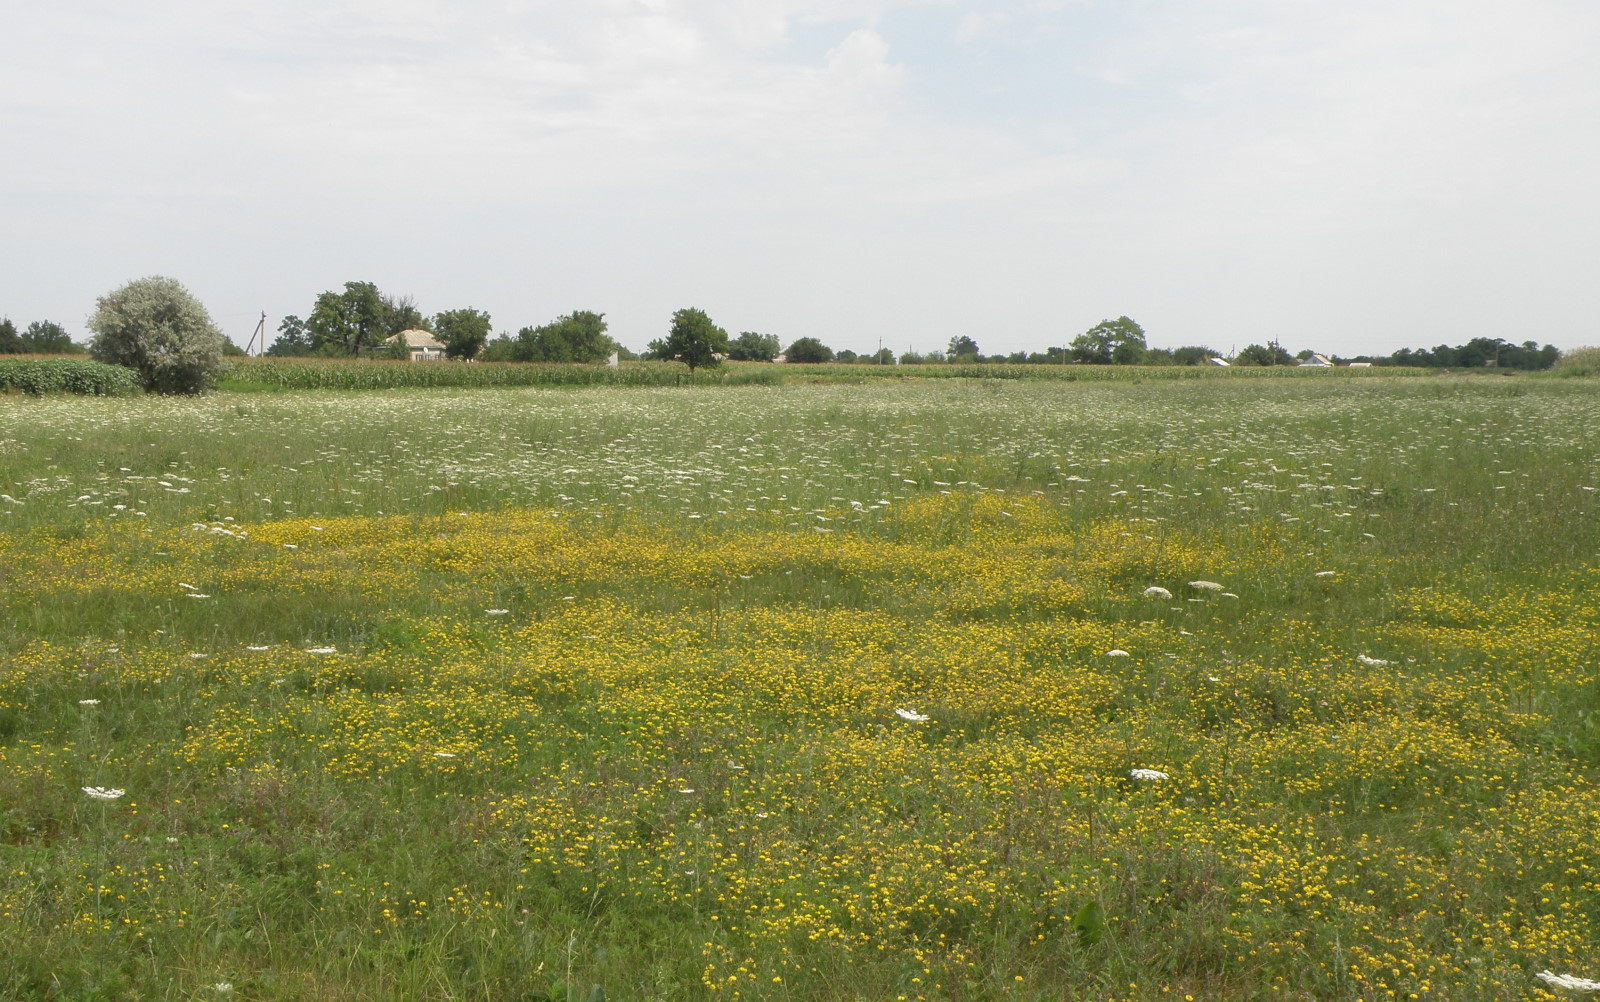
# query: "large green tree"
462,331
808,349
963,349
752,347
155,327
10,342
46,338
293,339
359,319
1110,342
692,339
579,336
1271,353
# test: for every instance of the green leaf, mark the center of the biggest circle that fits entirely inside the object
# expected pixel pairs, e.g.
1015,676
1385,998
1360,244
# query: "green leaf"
1090,923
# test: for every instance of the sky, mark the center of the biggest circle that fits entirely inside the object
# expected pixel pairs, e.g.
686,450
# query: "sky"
1346,176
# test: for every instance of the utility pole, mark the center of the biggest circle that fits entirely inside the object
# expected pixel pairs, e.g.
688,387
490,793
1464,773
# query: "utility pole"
261,334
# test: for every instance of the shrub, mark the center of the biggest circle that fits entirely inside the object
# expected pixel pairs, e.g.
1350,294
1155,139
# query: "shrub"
1578,362
154,326
37,376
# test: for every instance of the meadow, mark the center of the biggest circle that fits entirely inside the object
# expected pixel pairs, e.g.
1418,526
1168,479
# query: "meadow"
1208,688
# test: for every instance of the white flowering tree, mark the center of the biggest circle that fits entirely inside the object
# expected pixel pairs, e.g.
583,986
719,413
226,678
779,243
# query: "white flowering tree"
155,327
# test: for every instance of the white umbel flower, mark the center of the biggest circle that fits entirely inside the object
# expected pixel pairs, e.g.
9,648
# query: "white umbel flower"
1148,775
912,715
1205,585
1117,652
322,650
1568,981
1156,591
1373,662
103,793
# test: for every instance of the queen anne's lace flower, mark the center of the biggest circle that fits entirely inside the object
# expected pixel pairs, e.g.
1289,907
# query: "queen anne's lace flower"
1569,981
1147,774
103,793
911,715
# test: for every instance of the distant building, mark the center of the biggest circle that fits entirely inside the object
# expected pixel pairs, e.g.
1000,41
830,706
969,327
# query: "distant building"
1219,361
1316,362
1360,365
420,345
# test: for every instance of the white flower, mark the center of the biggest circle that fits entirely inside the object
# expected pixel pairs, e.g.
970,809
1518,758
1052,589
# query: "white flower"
1324,574
1372,662
1116,652
912,715
322,650
101,793
496,612
187,587
88,702
1571,981
1147,774
444,754
291,546
223,988
1156,591
687,789
195,594
258,647
1205,585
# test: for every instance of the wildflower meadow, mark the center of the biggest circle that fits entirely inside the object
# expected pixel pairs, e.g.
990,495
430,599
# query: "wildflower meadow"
907,690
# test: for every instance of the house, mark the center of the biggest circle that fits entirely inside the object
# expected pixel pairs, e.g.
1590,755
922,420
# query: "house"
1219,361
420,345
1316,362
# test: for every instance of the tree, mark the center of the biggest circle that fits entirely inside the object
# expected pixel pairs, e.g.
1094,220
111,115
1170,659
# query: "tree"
45,338
1193,354
1119,341
501,348
809,349
963,349
579,336
154,326
883,356
293,340
462,331
752,347
358,319
692,339
10,343
1263,354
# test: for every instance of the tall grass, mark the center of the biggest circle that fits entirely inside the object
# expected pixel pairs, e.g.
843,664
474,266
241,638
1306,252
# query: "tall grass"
370,374
612,690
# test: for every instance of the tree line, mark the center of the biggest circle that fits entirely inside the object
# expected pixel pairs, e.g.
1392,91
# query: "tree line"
362,320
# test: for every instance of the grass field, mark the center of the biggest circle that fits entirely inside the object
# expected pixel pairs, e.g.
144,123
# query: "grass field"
571,693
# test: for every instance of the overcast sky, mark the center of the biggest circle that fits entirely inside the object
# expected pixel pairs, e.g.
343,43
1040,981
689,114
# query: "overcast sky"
1346,175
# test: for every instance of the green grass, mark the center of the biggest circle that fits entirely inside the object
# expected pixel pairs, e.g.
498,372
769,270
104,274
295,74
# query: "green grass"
729,590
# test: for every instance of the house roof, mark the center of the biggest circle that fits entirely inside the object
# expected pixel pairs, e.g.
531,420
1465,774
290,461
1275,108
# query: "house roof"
416,338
